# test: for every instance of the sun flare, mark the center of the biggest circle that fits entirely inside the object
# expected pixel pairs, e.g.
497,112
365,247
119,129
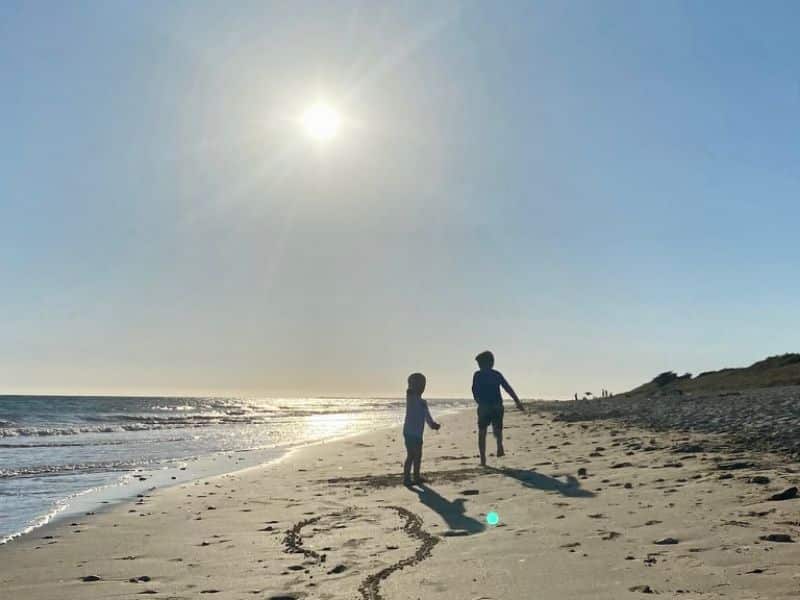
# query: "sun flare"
321,121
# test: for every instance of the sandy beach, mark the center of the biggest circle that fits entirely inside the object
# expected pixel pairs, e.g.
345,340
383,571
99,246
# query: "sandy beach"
243,241
587,510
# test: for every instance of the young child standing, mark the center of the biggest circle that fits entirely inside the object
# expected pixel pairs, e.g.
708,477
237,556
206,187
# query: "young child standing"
417,414
486,384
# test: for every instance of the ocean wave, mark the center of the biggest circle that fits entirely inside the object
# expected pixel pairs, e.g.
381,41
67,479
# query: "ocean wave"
92,443
74,469
130,423
165,416
8,432
200,419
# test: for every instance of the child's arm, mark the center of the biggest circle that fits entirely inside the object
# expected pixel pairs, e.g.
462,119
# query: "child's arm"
475,387
431,423
510,391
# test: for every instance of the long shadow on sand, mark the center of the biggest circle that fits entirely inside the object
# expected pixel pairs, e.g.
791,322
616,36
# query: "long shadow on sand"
570,486
532,479
452,511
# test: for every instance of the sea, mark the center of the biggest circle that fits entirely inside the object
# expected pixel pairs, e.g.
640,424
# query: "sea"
62,456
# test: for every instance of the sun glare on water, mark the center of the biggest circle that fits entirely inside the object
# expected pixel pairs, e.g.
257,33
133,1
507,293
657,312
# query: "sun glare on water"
321,122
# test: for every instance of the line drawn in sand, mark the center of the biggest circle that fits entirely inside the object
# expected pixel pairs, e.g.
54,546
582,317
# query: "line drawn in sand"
370,586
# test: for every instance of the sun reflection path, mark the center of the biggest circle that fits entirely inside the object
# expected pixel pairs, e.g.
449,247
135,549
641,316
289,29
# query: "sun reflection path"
329,425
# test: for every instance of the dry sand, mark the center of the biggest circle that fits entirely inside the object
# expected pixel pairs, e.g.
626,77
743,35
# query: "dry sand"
332,521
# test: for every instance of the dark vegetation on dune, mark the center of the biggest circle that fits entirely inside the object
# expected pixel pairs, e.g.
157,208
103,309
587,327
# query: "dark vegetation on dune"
774,371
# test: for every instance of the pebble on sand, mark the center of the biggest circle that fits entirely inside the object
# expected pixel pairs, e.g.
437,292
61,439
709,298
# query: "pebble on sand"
777,537
759,479
337,569
666,541
785,494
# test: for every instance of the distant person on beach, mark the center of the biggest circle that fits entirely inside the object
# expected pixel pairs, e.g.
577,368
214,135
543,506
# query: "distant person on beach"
417,414
486,384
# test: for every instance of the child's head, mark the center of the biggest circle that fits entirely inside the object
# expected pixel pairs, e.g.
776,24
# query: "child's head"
416,383
485,360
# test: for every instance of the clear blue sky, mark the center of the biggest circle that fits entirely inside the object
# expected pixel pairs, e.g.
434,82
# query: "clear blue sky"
597,191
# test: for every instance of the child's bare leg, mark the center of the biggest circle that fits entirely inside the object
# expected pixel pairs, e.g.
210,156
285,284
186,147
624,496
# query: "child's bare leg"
407,466
498,435
417,463
482,444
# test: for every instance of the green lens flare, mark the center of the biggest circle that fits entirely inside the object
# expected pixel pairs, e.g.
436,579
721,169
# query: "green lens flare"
492,518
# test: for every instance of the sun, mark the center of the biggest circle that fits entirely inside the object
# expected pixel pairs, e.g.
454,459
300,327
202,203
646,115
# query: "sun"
321,121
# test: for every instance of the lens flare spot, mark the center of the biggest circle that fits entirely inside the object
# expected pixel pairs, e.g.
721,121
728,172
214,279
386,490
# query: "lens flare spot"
492,518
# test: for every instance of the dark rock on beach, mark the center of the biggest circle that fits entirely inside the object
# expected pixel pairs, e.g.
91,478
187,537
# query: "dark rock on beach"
337,569
785,494
759,479
777,537
666,541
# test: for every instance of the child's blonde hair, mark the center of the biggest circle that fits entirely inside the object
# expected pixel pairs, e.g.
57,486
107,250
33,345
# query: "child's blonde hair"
416,383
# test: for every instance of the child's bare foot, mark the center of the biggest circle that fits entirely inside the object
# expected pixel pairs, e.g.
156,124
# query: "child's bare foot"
500,452
407,482
420,480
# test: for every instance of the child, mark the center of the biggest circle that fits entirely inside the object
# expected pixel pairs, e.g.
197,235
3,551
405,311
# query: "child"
486,384
417,414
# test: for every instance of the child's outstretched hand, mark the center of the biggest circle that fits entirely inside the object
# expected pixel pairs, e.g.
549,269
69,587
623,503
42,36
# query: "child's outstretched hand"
437,426
520,407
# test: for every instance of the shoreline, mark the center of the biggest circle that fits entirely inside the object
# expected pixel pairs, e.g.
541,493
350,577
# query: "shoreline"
126,494
97,500
330,521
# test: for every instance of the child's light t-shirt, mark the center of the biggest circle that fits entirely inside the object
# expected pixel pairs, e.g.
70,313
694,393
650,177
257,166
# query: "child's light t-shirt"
417,414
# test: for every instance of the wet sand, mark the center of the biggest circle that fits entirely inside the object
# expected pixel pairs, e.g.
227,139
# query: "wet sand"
587,510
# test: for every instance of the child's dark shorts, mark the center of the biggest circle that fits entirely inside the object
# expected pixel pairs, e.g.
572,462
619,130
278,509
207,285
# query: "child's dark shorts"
491,413
413,442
